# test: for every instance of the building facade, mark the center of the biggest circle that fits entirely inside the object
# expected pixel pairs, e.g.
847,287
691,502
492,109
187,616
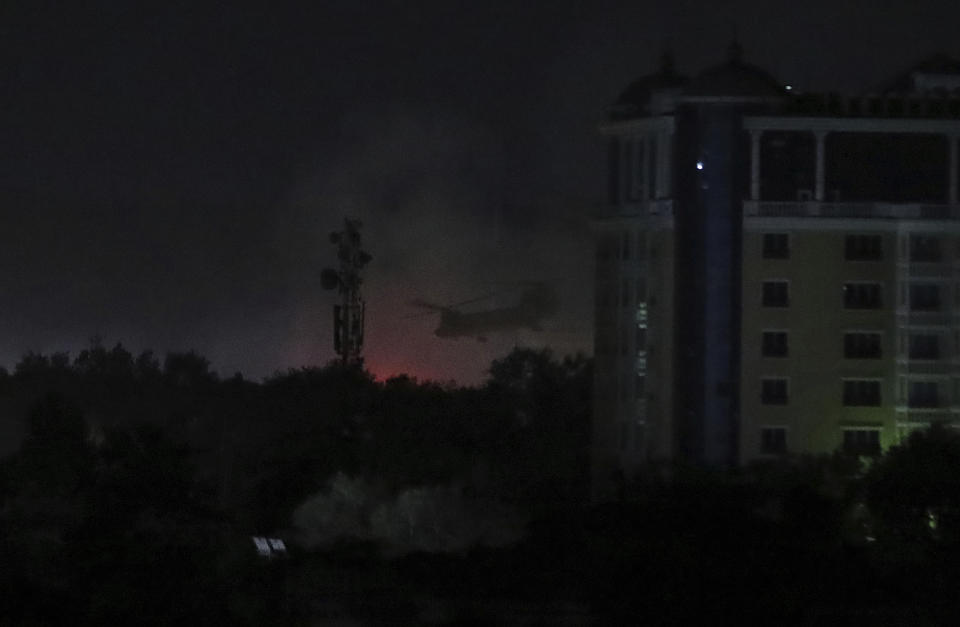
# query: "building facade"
776,272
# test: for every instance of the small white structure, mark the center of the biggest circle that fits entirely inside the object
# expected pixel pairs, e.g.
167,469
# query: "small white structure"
269,547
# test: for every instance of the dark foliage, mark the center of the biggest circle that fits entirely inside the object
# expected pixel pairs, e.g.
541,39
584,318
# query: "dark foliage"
134,493
135,488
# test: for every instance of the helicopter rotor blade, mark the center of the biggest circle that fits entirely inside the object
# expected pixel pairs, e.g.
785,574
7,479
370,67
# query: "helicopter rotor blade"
473,300
423,304
422,314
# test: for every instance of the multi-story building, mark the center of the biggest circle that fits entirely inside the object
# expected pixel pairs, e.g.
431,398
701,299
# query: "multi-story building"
777,272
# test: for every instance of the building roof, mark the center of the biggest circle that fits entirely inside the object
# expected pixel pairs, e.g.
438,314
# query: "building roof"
734,79
936,73
634,101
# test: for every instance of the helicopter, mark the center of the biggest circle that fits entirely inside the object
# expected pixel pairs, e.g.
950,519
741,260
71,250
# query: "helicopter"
537,302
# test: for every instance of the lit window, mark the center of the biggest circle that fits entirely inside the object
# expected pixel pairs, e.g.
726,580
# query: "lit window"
642,315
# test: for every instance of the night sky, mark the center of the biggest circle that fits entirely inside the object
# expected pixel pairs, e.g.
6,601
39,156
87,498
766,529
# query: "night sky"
170,174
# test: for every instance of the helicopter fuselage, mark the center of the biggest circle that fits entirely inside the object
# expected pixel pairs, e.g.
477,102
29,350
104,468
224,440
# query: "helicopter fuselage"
535,305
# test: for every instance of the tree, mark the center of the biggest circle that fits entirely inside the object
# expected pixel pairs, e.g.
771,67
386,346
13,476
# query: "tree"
105,532
187,369
913,492
544,409
98,362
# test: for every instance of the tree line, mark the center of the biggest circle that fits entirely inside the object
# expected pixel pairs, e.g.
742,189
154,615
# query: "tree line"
137,481
135,484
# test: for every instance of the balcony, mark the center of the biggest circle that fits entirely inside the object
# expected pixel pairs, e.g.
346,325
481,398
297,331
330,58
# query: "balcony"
639,209
908,419
926,270
907,318
871,210
940,368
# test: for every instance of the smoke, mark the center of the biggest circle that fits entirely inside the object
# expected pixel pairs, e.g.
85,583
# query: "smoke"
431,191
433,519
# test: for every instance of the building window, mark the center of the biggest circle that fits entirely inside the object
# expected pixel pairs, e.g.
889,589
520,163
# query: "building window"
925,248
776,294
774,344
924,297
861,441
923,394
773,440
862,345
776,246
924,346
861,393
625,245
862,296
641,314
773,391
863,248
641,387
641,338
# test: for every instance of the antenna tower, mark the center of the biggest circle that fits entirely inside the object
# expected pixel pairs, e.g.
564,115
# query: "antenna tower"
348,316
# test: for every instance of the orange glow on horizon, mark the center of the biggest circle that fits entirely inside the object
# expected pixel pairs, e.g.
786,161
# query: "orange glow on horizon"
383,368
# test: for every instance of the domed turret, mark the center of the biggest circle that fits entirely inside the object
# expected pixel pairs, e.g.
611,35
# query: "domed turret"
650,94
734,80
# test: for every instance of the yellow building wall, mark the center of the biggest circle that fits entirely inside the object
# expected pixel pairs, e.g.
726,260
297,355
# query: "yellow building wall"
815,321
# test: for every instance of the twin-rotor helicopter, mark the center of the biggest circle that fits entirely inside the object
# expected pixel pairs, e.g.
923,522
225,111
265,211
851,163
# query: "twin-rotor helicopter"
537,301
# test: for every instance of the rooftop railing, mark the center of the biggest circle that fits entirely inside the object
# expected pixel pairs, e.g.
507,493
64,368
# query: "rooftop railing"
655,208
872,210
